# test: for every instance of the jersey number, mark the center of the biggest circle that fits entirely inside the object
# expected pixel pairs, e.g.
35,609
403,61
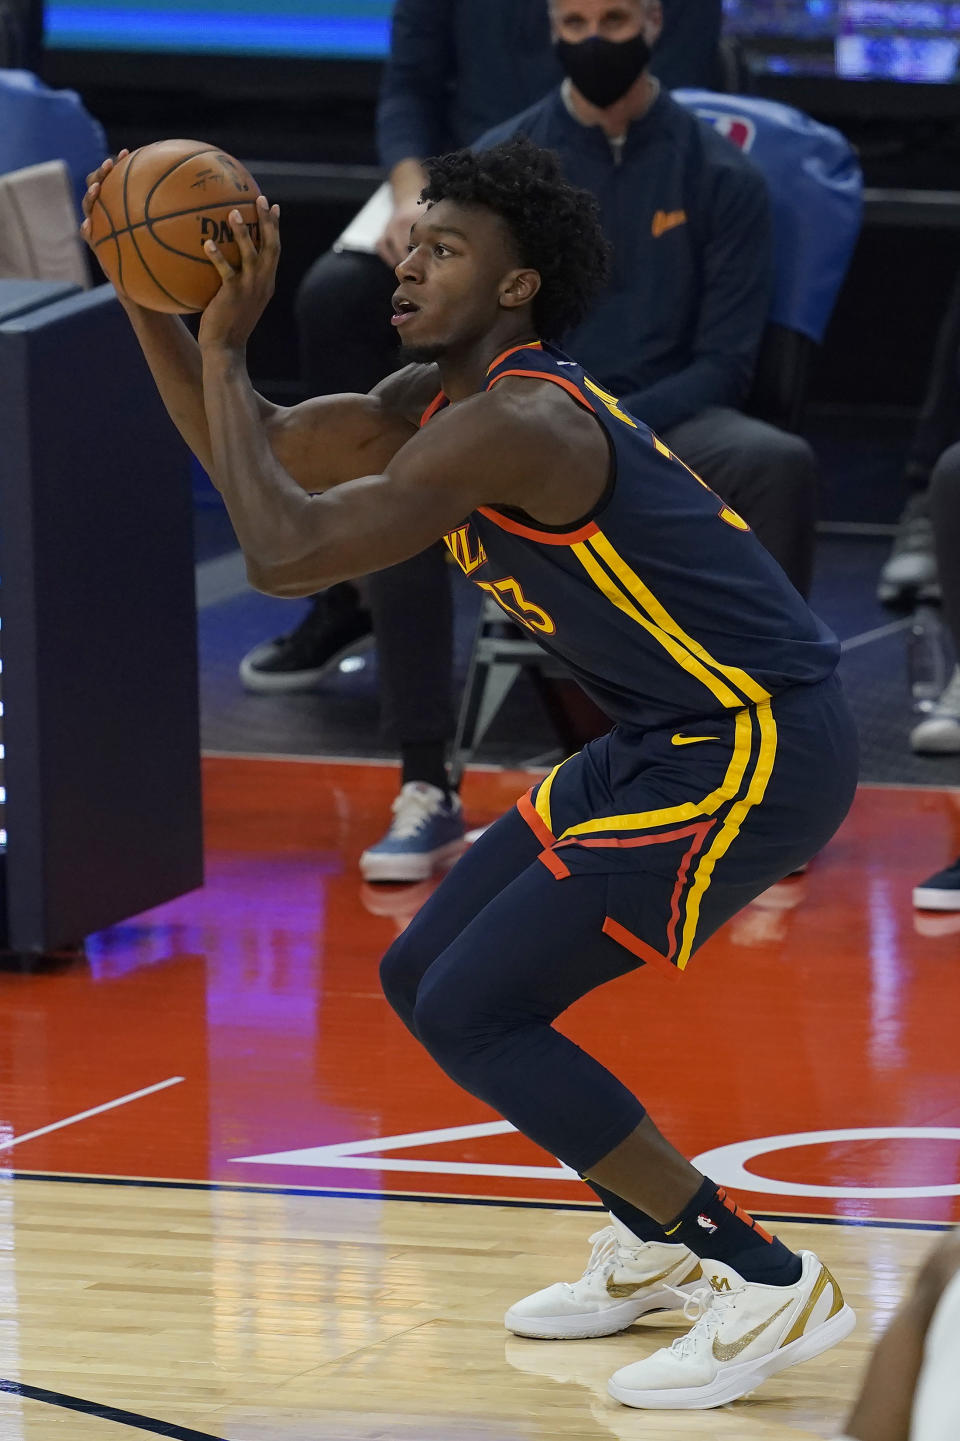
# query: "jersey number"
518,606
610,401
726,513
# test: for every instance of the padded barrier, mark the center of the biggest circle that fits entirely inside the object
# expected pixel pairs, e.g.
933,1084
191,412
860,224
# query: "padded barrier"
100,695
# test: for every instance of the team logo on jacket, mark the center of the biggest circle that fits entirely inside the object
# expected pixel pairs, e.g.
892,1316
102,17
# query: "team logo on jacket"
738,129
706,1223
665,220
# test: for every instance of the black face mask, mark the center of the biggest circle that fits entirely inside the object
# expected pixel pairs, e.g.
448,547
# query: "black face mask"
603,70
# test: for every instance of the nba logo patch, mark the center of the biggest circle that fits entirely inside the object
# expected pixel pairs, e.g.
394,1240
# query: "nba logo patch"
706,1223
738,129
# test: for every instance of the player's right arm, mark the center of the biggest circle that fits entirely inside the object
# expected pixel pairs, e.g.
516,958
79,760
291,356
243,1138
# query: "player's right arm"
360,433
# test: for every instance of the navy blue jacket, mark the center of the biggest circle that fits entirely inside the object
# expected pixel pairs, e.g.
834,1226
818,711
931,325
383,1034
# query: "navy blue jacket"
687,215
458,67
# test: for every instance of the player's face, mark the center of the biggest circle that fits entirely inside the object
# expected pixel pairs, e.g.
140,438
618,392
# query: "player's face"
458,277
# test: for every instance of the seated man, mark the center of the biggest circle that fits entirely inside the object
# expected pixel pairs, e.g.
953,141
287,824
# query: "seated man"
939,732
909,574
677,331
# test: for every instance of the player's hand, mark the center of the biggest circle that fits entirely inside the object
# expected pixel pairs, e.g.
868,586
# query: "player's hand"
394,243
94,181
230,317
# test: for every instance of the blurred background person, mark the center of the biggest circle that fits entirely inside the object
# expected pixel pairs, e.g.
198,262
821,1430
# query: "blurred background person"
910,573
939,732
910,1391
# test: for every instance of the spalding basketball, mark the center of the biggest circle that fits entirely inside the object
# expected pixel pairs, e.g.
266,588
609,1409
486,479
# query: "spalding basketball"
156,208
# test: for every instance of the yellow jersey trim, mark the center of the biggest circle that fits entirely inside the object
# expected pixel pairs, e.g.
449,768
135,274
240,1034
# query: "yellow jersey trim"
688,810
584,551
542,802
749,688
730,828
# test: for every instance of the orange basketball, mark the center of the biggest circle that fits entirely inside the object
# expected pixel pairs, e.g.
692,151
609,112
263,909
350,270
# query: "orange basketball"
156,208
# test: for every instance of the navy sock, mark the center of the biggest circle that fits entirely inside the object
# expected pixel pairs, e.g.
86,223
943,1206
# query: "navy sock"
644,1227
425,761
714,1226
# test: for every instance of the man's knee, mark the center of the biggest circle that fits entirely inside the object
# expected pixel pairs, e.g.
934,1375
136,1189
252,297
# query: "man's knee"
451,1027
945,481
400,973
439,1024
786,459
339,284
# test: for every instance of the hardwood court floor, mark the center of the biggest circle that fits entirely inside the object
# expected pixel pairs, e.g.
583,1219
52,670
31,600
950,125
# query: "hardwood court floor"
254,1317
232,1051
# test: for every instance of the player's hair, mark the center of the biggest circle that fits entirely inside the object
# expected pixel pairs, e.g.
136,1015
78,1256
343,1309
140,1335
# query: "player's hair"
555,227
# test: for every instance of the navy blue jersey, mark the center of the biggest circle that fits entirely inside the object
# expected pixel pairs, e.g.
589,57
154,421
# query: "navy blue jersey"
661,602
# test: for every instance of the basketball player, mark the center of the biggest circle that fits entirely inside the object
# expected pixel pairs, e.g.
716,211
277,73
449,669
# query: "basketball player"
731,759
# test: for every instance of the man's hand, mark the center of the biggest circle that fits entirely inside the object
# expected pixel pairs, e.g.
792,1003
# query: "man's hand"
230,317
394,243
407,180
94,181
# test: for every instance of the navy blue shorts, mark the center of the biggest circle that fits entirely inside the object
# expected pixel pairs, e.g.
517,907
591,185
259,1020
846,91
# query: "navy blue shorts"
691,824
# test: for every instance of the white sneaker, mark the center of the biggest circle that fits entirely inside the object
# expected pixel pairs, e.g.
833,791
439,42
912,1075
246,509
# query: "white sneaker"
745,1332
939,732
910,571
625,1278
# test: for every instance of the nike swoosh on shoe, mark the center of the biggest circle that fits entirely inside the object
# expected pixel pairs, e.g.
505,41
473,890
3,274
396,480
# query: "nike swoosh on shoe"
727,1350
622,1289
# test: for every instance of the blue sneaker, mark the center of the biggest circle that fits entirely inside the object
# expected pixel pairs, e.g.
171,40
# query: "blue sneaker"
940,892
425,835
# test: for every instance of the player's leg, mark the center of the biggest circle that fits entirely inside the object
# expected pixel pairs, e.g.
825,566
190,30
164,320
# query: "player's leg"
484,1009
767,475
502,853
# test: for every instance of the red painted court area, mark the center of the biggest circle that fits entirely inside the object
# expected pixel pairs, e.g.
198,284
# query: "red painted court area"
828,1006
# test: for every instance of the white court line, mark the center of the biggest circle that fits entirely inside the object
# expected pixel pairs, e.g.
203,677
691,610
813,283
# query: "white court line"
94,1111
877,633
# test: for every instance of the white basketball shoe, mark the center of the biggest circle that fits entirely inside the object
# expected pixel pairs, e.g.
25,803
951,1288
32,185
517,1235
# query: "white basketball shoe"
745,1332
625,1278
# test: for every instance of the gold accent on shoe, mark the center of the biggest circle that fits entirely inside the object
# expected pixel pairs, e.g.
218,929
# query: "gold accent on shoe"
799,1325
621,1289
726,1351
